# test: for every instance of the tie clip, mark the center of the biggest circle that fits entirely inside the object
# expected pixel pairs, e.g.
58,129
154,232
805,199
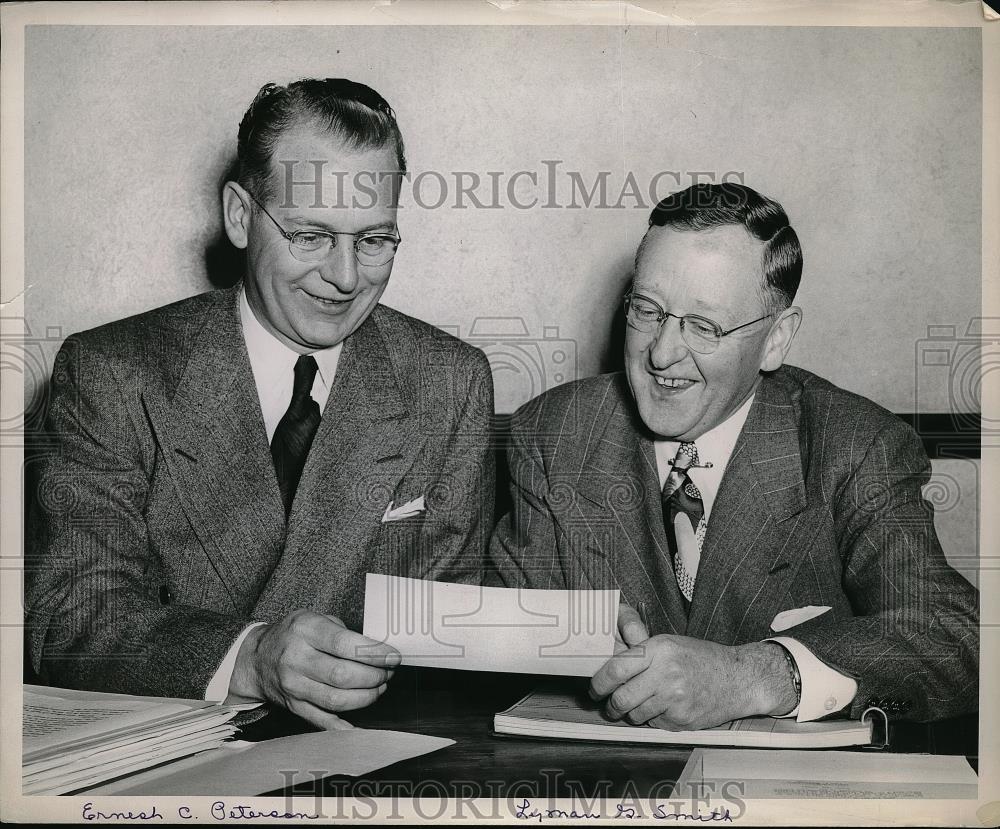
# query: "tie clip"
708,465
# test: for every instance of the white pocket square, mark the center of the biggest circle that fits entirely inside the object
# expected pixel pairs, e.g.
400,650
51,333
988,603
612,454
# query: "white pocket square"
407,510
796,616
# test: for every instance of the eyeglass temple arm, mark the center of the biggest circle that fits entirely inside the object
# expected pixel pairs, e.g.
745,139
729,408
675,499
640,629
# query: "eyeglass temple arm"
267,213
738,327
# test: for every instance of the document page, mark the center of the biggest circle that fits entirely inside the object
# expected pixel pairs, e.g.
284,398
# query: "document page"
47,715
58,716
443,625
256,768
831,774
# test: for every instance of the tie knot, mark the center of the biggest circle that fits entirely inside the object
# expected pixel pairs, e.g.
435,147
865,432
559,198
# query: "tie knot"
687,456
305,374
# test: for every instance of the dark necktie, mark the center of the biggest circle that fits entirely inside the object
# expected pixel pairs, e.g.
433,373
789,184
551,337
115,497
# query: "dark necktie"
680,495
295,431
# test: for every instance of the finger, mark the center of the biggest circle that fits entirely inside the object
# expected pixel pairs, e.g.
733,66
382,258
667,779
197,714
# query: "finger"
318,717
331,637
616,671
652,708
343,673
659,696
665,723
630,625
624,700
618,625
336,699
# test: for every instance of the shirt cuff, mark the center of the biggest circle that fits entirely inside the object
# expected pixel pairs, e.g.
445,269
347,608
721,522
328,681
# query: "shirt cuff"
824,689
218,686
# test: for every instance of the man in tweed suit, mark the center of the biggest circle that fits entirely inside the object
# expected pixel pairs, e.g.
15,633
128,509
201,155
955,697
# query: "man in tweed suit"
766,527
226,469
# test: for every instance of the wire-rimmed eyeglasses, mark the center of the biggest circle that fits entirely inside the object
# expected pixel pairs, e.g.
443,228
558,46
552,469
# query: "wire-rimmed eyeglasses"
699,333
371,249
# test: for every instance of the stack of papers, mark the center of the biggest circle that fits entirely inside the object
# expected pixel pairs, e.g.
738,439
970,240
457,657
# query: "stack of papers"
830,774
76,739
556,713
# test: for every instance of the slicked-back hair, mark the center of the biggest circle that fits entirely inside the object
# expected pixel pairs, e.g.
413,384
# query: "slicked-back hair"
704,206
352,112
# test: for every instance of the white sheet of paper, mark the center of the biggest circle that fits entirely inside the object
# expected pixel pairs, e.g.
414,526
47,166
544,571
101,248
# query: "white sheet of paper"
835,765
255,768
855,774
443,625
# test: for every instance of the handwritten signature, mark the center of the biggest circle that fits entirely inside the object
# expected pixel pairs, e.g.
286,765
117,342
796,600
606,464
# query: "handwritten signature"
220,810
526,811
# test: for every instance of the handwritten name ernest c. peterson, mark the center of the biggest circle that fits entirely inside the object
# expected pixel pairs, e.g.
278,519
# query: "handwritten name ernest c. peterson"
218,811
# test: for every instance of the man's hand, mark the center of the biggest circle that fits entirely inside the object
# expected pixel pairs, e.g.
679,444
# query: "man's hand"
631,628
312,665
679,683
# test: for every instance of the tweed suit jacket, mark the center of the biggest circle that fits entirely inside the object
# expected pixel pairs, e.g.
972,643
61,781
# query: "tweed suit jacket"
158,532
820,505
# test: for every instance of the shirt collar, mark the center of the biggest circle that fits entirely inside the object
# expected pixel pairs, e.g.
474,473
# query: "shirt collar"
270,357
717,444
715,447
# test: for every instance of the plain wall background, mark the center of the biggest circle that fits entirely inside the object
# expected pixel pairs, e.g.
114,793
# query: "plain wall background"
870,138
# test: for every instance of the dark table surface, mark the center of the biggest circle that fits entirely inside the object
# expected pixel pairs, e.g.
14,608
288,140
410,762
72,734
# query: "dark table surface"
461,705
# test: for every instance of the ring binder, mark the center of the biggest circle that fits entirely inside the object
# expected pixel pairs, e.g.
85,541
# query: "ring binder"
885,727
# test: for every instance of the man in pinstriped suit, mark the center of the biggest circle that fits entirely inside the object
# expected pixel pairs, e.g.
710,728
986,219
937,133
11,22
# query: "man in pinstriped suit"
765,527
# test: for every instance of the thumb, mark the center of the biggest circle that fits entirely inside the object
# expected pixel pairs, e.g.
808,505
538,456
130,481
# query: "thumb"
335,723
336,620
630,624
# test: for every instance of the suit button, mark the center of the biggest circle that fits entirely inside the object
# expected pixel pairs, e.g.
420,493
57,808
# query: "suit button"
830,704
166,597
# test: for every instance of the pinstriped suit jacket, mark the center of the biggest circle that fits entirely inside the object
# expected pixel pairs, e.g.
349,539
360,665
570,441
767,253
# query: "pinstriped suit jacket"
820,505
158,529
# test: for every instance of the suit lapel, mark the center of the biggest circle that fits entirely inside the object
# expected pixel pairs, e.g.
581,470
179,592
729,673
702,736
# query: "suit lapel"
753,517
619,474
365,443
213,440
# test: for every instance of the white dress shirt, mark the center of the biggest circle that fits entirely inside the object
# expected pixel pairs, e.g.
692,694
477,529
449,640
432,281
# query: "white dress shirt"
824,690
273,365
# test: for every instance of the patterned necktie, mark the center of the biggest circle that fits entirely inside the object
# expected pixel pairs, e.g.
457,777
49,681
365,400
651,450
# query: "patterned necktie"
680,495
295,432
